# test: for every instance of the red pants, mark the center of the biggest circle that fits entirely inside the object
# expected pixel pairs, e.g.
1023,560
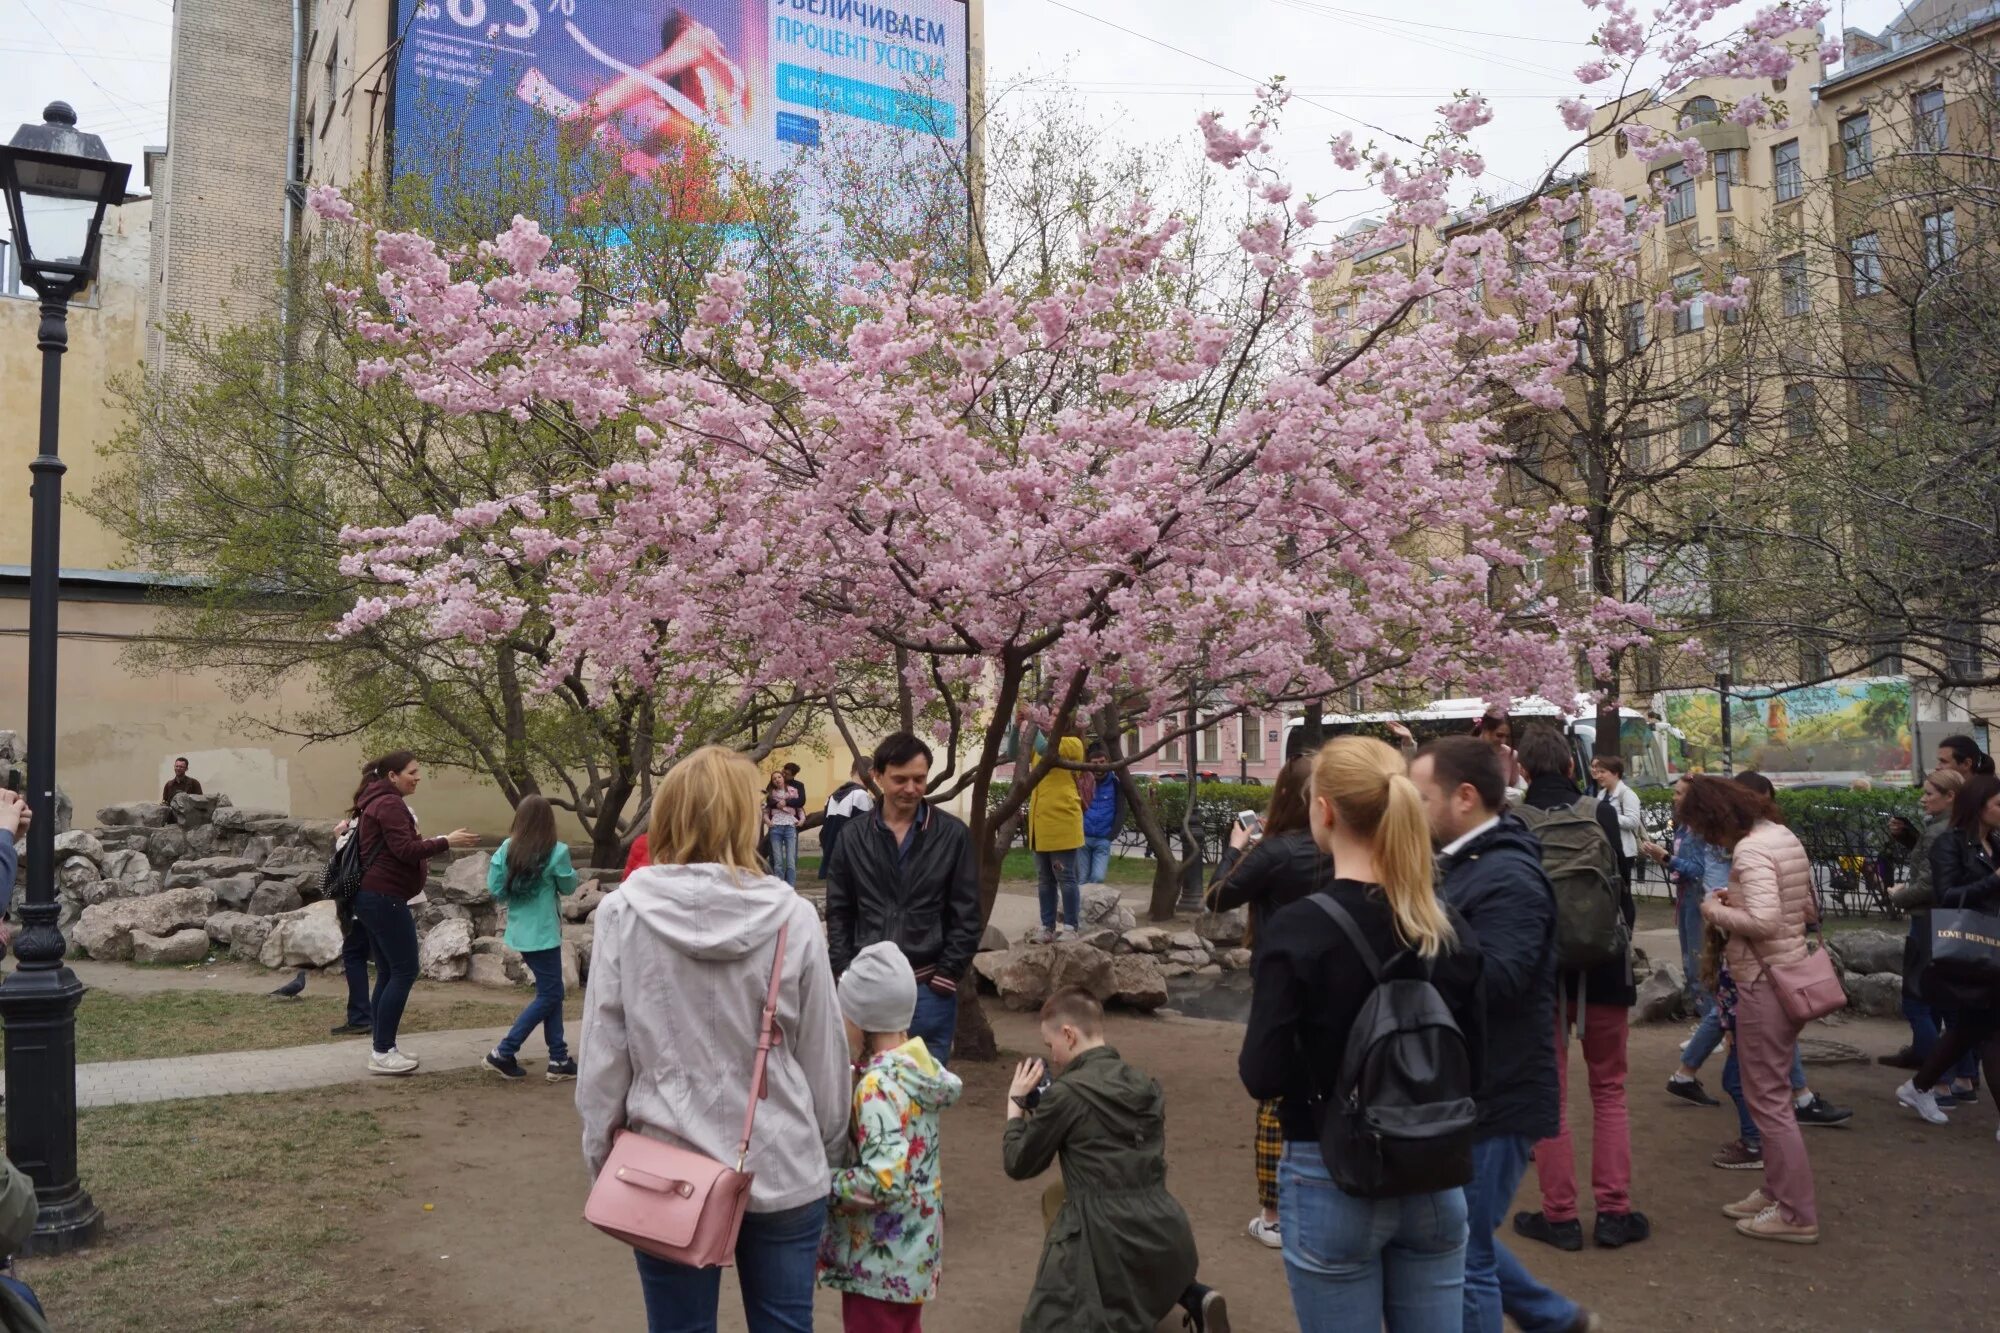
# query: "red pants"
1602,1036
865,1314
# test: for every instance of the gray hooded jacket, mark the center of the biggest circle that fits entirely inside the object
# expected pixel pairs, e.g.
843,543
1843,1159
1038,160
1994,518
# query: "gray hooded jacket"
680,962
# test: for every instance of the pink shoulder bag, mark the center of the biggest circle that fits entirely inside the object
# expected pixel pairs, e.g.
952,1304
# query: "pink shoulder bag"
1809,988
674,1203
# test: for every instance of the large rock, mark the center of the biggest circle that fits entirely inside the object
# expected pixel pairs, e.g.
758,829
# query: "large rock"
1187,939
579,905
986,966
465,881
1866,951
183,946
571,963
446,951
235,891
79,843
258,850
316,834
222,923
1224,928
76,873
309,937
165,847
140,814
1660,996
992,938
204,869
1192,957
1103,907
488,969
244,819
114,890
1876,994
128,864
1137,982
1233,960
1149,939
289,862
193,812
429,914
1028,976
488,918
105,931
275,897
580,937
247,934
1105,939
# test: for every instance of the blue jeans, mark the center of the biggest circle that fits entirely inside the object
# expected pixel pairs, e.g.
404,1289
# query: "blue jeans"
544,1011
1707,1036
1055,873
354,965
21,1289
1732,1083
1966,1070
777,1256
1923,1027
1687,919
936,1021
1494,1278
785,853
392,934
1397,1264
1094,861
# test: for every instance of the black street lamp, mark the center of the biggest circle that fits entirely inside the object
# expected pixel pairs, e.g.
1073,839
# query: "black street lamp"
58,181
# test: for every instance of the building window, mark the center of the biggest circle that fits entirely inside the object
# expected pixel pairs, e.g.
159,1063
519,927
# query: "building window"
1692,315
332,88
1699,111
1639,445
1635,327
1932,136
1693,414
1253,738
1170,753
1794,294
1517,265
1572,234
1865,253
1815,662
1786,176
1871,395
1211,745
1940,239
1631,207
1680,194
1728,171
1734,314
1798,411
1857,154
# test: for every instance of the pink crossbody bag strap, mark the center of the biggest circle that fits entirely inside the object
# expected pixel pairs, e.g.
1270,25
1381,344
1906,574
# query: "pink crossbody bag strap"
767,1037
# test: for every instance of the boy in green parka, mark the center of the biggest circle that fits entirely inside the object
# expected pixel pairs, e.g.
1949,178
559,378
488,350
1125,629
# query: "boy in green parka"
1119,1253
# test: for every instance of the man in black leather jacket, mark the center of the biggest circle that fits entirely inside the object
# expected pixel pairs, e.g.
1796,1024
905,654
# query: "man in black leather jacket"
905,872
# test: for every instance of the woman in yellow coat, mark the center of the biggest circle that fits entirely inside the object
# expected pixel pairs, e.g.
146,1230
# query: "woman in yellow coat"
1055,835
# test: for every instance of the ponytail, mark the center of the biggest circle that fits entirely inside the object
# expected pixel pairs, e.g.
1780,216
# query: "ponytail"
1369,787
377,769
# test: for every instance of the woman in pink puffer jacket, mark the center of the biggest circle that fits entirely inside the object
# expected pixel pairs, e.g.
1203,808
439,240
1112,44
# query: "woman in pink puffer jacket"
1764,912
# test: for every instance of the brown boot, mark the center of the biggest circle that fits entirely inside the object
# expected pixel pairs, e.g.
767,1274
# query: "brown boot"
1771,1225
1750,1207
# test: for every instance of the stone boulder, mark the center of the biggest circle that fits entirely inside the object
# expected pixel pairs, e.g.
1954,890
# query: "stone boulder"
246,819
1660,996
446,951
247,933
275,897
1191,957
75,873
1148,939
1866,951
488,917
464,881
235,891
429,914
579,905
1171,969
193,812
309,937
165,847
133,814
79,843
206,868
580,937
1105,939
104,931
288,862
985,966
1224,928
1103,907
571,963
1137,982
183,946
992,938
222,923
1874,994
113,890
258,850
1233,960
129,864
488,969
1027,976
316,834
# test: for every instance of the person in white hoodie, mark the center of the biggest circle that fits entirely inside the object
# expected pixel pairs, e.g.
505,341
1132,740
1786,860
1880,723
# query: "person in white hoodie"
1608,772
680,963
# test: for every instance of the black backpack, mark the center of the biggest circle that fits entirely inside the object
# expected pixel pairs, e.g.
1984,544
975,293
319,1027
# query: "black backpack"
1401,1117
346,867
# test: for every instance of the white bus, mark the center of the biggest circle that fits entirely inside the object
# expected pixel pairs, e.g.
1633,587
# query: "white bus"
1642,742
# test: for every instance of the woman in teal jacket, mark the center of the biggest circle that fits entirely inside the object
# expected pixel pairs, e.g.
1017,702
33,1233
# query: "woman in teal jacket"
529,872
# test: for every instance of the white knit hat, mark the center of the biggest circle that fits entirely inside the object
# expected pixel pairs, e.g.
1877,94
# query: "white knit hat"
878,992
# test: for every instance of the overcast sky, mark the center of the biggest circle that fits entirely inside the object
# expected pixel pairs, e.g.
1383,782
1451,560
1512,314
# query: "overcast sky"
1385,62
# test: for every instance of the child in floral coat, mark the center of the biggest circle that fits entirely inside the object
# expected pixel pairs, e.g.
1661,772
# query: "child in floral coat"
882,1249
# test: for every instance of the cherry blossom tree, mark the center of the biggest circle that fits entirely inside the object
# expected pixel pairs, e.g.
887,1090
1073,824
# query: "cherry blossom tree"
1037,500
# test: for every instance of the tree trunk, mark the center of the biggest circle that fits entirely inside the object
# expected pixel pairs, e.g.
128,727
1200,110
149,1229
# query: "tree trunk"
1166,866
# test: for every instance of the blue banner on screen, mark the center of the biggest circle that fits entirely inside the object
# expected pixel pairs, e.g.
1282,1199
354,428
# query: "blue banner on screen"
766,79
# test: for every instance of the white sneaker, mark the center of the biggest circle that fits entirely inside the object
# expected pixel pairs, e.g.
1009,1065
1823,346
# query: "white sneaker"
390,1062
1038,935
1267,1232
1923,1103
1067,934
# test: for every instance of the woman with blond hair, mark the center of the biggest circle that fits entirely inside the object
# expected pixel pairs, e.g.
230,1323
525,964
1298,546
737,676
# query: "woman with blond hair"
681,963
1396,1263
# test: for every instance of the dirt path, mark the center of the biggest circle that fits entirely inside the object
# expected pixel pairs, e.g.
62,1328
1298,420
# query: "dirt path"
1907,1210
229,978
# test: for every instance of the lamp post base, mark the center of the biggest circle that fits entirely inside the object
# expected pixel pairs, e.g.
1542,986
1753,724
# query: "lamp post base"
38,1008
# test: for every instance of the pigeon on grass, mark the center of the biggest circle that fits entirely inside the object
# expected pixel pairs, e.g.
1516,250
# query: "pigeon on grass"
292,989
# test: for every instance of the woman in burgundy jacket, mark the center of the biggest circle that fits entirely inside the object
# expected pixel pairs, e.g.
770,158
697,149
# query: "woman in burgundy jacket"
393,856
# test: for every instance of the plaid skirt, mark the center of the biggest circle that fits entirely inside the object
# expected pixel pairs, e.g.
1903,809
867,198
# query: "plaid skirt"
1270,1144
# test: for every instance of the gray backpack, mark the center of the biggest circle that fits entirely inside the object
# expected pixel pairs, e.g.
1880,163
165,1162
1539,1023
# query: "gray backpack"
1583,867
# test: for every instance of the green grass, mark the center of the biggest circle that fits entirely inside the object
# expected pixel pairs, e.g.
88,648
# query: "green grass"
218,1212
144,1027
1020,865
